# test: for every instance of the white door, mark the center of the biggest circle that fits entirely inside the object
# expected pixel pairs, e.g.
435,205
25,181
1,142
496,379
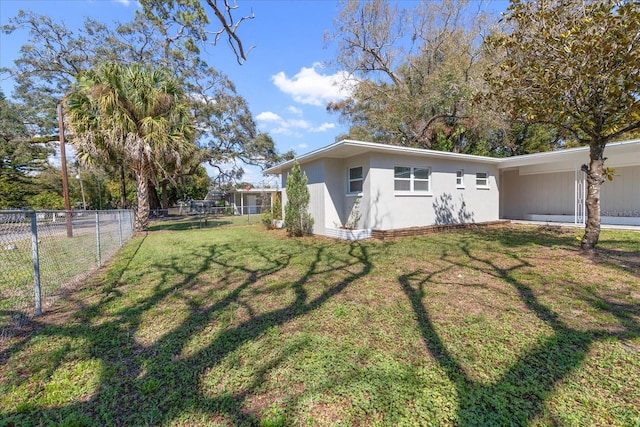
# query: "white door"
252,201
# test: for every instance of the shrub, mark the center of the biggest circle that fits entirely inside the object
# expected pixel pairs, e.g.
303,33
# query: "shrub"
297,219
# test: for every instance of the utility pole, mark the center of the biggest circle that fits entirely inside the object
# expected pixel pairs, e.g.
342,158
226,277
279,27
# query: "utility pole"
63,165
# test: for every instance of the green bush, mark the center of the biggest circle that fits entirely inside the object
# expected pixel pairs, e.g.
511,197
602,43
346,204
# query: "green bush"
297,219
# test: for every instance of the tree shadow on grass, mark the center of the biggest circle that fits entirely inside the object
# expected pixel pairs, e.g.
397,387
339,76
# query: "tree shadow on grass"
519,395
153,376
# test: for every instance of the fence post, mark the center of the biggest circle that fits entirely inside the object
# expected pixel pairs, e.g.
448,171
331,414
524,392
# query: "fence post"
36,262
99,257
120,213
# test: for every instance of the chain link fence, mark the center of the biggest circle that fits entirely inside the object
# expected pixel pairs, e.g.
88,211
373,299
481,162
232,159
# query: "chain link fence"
209,211
43,253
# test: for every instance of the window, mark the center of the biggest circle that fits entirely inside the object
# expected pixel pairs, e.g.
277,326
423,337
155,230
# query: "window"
482,179
410,179
460,178
355,179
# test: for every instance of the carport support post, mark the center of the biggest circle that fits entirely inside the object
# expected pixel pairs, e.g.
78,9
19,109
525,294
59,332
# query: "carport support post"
36,262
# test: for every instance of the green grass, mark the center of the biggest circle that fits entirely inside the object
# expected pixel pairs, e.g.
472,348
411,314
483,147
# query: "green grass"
225,326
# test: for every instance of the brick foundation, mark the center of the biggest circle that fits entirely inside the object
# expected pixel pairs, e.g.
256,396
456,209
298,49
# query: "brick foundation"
419,231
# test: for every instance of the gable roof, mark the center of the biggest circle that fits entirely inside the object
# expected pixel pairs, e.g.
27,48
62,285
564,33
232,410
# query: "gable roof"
628,152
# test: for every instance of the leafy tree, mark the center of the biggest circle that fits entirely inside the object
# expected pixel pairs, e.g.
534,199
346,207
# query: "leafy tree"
192,19
20,159
417,71
297,219
46,200
190,187
573,65
140,113
55,55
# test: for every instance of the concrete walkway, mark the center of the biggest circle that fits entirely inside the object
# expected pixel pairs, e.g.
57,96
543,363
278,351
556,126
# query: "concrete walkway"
573,225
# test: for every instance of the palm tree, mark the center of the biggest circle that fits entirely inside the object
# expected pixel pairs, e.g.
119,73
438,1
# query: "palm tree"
133,114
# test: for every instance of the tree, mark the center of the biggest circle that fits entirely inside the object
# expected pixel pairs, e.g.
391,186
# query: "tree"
297,219
192,18
140,113
417,72
55,55
20,158
573,65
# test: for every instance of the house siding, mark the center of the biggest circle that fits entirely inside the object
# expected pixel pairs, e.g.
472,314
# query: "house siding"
530,194
446,204
315,183
541,184
621,197
554,194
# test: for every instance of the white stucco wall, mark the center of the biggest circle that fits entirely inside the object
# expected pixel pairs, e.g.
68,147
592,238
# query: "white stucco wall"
446,203
541,183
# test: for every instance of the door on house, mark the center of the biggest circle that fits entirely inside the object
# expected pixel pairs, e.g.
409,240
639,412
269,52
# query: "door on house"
252,202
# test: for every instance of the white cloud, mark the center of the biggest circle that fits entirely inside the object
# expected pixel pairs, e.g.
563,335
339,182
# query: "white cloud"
303,145
298,123
285,131
268,116
275,124
123,2
323,127
294,110
283,126
310,87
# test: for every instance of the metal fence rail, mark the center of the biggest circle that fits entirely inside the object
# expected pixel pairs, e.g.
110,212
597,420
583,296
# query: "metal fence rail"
42,253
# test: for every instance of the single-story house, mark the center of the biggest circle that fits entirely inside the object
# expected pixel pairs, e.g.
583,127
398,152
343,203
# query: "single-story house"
245,201
357,187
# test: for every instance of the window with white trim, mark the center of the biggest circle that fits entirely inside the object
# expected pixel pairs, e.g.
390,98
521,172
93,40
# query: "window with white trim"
411,180
482,179
460,178
356,178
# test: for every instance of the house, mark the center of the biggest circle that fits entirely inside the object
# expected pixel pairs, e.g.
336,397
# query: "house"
359,187
250,201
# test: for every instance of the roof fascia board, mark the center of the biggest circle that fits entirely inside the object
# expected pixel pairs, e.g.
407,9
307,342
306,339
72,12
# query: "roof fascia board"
374,146
502,163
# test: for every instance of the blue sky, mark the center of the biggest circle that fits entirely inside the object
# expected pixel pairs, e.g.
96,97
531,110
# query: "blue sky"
286,79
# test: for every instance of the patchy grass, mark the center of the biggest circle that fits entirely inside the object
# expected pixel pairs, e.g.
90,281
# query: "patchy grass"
227,326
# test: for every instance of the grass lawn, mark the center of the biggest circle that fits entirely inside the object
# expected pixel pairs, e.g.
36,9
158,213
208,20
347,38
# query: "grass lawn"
235,325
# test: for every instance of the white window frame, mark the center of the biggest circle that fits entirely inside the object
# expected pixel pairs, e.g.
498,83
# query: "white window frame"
412,181
460,178
350,180
479,180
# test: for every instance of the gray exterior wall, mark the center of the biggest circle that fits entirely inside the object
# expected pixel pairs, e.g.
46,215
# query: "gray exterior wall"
445,204
315,172
539,184
381,208
554,193
621,197
545,194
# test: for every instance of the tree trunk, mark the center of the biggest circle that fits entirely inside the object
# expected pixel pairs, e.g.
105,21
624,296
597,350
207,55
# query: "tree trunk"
154,200
165,196
123,188
142,208
595,179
